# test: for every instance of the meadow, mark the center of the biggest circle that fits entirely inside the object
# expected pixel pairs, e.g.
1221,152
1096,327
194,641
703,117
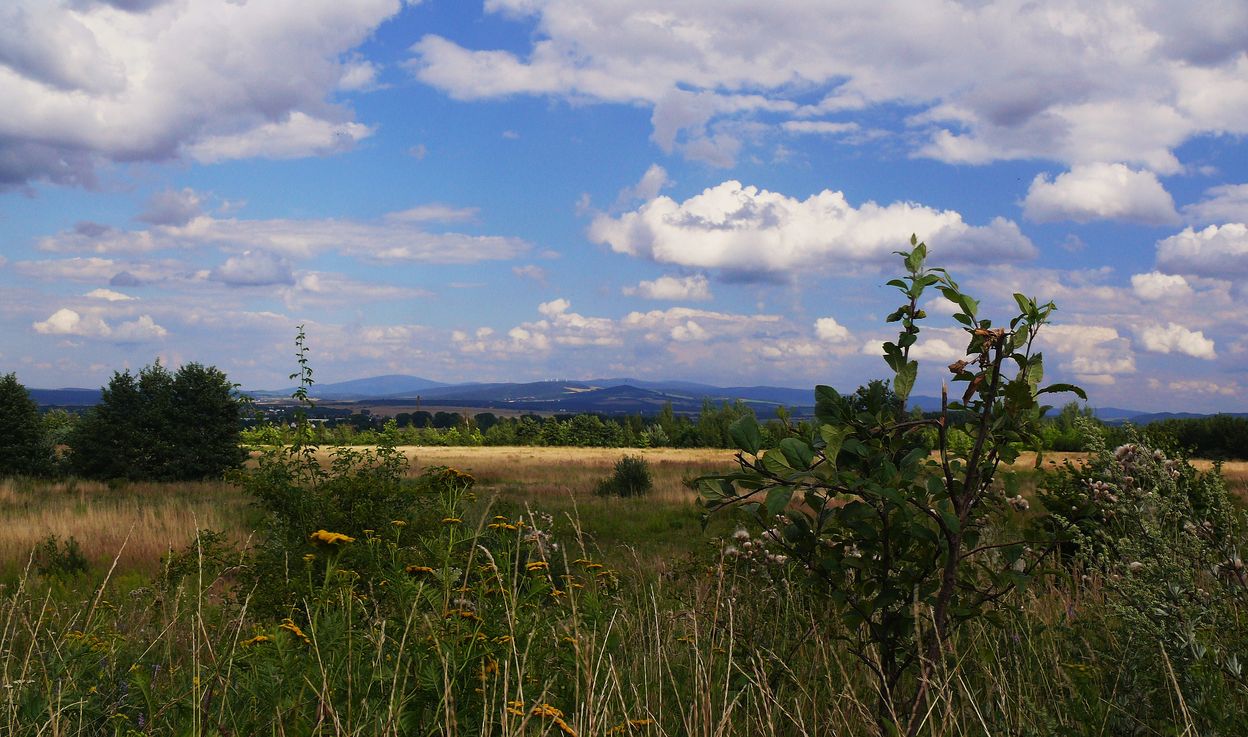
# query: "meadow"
560,612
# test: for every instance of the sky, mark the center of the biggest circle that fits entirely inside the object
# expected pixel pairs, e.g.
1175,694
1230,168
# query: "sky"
703,190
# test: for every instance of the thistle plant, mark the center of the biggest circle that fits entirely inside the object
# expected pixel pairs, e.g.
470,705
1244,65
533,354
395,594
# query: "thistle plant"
903,542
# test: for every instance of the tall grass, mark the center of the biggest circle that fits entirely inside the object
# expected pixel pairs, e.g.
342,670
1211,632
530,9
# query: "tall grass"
663,633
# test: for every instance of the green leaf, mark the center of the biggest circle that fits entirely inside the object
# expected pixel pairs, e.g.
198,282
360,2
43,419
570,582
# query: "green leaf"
797,452
1025,306
1035,370
1052,388
778,498
833,436
775,463
745,434
904,380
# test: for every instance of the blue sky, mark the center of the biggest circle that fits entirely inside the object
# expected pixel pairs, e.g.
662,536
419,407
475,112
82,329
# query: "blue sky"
706,190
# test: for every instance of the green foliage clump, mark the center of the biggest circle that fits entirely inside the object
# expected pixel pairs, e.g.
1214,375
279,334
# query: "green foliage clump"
161,426
631,477
25,448
57,559
905,547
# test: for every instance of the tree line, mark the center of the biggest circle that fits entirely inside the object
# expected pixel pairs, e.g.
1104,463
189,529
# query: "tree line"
192,423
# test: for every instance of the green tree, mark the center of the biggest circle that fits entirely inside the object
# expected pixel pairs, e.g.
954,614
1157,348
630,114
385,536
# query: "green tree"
161,426
905,547
24,446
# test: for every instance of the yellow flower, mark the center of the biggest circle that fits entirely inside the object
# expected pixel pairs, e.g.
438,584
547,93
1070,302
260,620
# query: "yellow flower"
309,557
515,708
289,625
452,521
256,640
323,537
398,523
537,565
546,710
418,570
503,639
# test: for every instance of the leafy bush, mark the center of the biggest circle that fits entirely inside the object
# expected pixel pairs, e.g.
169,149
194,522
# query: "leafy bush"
905,547
631,477
59,560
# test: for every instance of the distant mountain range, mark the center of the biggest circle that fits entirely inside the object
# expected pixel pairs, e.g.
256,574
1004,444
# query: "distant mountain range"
605,396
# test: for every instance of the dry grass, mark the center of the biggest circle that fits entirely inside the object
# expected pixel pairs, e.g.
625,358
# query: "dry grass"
535,472
148,519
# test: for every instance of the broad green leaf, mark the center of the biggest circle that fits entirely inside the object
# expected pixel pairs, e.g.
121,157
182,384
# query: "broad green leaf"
1035,370
746,435
1052,388
778,498
833,436
904,381
774,462
797,452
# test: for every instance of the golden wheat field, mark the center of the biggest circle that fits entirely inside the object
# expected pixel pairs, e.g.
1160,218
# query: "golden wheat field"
139,522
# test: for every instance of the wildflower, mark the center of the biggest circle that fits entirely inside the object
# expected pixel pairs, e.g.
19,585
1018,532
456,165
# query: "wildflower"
515,708
502,639
452,521
1135,566
741,535
369,532
324,537
418,570
546,710
398,523
289,625
309,557
537,565
1019,503
256,640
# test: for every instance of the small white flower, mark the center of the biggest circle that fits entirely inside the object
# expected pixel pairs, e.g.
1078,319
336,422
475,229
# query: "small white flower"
1135,566
741,535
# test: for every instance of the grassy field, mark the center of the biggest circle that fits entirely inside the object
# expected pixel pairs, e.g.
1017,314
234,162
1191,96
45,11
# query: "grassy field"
622,617
137,522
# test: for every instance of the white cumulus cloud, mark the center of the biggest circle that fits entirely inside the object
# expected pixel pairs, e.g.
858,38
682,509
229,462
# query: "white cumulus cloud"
689,288
751,230
86,82
829,330
1215,251
1100,192
1226,203
1069,81
1173,338
1156,285
68,322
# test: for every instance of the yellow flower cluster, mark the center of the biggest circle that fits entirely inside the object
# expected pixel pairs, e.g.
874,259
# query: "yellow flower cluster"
452,521
555,716
289,625
258,639
462,614
418,570
324,537
537,565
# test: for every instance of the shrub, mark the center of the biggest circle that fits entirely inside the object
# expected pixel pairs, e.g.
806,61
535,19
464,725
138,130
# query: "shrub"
630,478
59,560
905,547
